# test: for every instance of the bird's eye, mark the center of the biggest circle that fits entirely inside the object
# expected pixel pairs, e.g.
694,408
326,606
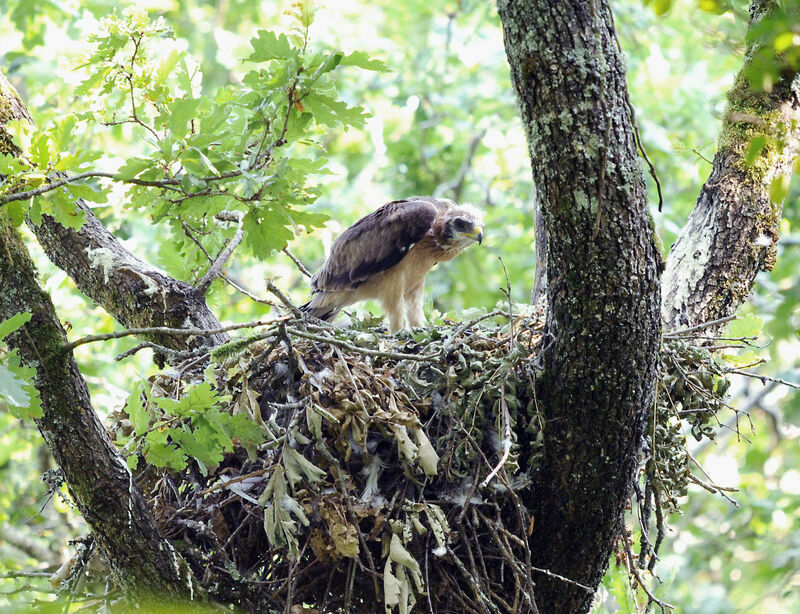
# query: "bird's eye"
461,224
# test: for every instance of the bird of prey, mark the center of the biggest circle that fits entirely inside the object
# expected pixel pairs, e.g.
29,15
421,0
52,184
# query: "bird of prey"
386,255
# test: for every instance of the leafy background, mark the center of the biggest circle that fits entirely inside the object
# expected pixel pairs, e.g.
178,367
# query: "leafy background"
443,121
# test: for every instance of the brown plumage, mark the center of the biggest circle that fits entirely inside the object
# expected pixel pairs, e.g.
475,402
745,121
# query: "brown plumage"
386,255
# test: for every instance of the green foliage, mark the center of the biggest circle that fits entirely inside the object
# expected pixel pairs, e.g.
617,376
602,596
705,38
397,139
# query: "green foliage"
17,392
251,147
169,431
776,46
13,323
660,7
749,326
716,6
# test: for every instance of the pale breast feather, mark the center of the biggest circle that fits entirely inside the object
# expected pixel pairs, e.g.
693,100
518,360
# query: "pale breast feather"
375,243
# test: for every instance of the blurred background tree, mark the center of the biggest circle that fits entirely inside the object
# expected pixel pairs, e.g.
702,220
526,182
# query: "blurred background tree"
443,122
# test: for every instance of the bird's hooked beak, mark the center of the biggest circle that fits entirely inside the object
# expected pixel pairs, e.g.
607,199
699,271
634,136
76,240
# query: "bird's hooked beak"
476,234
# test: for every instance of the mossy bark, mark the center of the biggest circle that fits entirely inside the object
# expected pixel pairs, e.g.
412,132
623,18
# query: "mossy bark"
98,479
603,288
733,231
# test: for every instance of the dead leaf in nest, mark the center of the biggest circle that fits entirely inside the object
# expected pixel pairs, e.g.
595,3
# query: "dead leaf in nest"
377,526
345,537
219,526
428,459
343,534
247,404
322,545
298,609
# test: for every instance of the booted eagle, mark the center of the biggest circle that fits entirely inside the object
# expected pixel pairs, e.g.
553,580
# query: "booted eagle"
386,255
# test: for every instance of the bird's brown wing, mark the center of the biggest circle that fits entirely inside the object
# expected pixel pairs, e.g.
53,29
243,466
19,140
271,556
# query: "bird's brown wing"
375,243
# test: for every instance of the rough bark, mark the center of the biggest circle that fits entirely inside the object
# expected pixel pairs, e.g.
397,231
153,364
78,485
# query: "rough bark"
135,293
733,231
603,290
98,479
540,277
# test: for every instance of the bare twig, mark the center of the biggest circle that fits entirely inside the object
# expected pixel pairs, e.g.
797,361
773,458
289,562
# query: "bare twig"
50,186
550,574
28,588
711,481
189,232
297,262
684,331
146,344
26,574
467,325
236,285
354,348
712,488
701,156
633,570
284,299
765,378
505,444
168,183
507,292
216,267
165,330
241,478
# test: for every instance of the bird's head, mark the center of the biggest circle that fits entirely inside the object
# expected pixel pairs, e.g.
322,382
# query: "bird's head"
462,226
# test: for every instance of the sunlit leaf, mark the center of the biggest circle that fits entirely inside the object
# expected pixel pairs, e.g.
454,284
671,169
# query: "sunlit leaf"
17,391
749,325
138,412
362,60
162,453
268,46
14,323
757,145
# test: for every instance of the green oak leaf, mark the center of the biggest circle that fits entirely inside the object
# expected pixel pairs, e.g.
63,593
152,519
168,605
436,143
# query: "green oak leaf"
162,453
268,46
360,59
13,323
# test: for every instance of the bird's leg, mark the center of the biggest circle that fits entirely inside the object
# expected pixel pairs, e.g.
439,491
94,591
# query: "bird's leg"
397,317
395,308
413,299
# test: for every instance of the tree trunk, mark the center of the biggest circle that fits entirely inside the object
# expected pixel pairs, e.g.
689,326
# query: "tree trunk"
733,231
142,561
98,479
603,291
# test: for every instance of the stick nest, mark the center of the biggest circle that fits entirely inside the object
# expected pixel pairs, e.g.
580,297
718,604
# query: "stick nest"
388,472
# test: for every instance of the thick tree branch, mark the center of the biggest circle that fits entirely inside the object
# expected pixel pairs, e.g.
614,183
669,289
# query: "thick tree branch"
137,294
98,479
142,561
602,291
733,231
